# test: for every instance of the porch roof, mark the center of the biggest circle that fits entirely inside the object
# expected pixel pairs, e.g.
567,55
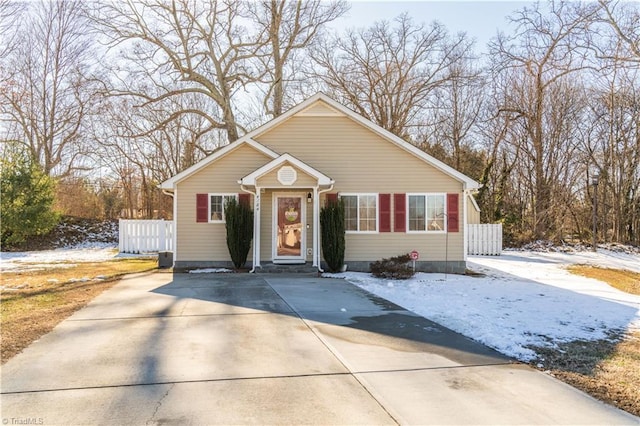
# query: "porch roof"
286,158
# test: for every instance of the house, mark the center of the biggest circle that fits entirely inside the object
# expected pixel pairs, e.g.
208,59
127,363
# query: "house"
398,198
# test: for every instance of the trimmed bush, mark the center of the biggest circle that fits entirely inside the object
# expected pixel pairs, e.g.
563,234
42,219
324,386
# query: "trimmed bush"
395,268
332,228
239,224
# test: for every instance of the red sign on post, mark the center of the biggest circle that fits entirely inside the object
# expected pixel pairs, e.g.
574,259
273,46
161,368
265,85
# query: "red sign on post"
414,255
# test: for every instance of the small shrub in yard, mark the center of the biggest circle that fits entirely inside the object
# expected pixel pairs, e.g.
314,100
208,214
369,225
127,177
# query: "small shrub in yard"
332,230
395,268
239,224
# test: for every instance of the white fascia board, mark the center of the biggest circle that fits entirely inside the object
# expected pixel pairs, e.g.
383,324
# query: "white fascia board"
171,183
251,178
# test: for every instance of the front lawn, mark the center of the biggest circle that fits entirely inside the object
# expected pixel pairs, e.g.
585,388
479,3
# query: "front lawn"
606,369
34,301
534,307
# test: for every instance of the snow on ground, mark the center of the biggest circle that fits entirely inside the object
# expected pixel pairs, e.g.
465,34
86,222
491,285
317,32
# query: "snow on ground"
210,271
524,299
58,258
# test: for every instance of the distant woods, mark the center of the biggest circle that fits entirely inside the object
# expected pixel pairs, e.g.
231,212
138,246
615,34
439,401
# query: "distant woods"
110,98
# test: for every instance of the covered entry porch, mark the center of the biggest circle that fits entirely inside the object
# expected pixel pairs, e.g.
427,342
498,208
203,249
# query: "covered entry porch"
287,197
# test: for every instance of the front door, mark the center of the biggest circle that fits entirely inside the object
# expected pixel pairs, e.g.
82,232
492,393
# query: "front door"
289,230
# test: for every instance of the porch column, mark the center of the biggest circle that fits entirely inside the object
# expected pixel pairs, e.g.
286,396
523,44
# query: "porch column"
256,229
316,228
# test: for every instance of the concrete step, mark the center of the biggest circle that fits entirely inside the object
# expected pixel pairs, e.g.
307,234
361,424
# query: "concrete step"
301,268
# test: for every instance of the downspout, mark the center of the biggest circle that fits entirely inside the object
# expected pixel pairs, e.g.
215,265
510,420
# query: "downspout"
256,225
317,226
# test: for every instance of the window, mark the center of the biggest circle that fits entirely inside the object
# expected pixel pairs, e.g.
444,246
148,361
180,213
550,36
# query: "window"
360,212
426,213
216,206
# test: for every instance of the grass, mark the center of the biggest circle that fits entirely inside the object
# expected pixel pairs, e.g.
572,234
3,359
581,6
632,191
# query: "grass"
607,369
626,281
33,302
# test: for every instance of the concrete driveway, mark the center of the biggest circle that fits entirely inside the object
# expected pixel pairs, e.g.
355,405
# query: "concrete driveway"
272,349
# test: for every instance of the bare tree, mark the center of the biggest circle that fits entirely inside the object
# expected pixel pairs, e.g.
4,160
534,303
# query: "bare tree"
612,149
9,13
142,154
48,91
455,114
290,25
388,72
202,47
624,19
537,61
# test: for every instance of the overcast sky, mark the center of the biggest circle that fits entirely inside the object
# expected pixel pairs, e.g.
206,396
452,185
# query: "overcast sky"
480,19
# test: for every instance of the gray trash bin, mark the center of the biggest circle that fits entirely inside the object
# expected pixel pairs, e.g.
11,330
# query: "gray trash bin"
165,259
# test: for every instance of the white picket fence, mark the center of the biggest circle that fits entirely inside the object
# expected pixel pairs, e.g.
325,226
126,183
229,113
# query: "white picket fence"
484,239
145,236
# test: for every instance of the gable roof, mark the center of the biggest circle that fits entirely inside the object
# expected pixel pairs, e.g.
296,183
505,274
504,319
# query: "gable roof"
170,183
466,181
250,179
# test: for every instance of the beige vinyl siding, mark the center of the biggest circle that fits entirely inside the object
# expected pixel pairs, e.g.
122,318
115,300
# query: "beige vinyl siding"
320,109
207,241
431,246
271,179
360,161
356,158
266,225
473,215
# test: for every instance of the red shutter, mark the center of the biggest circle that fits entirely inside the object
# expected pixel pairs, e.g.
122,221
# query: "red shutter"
332,198
244,199
202,207
400,212
452,213
384,207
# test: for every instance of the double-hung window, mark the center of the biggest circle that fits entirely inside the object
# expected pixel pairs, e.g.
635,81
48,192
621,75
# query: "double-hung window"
426,213
360,212
216,206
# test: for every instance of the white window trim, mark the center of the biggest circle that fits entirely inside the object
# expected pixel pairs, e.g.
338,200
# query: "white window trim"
219,194
359,194
426,222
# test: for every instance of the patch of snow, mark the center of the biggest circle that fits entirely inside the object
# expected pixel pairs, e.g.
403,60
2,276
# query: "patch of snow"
58,258
61,258
525,299
209,271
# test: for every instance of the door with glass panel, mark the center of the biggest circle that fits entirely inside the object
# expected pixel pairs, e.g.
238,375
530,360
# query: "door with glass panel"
289,231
